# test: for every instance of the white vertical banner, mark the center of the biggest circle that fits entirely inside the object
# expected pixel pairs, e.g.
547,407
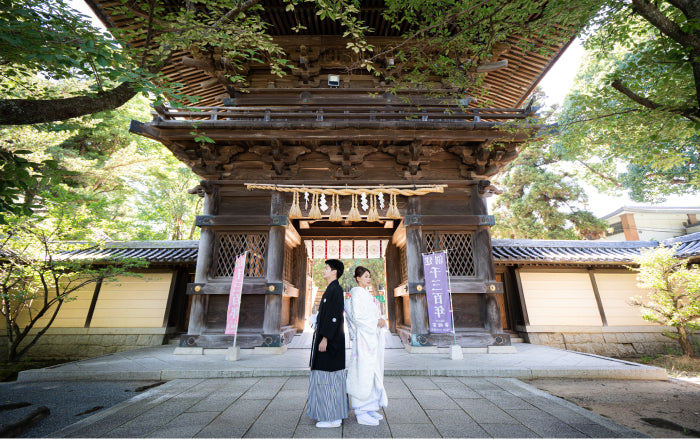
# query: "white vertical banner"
333,249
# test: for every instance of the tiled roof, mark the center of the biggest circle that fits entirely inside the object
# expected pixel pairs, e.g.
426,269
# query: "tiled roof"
547,251
688,245
504,250
152,251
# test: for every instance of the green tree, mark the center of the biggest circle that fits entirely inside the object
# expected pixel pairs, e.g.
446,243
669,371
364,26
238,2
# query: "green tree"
541,200
673,293
541,197
632,121
35,281
106,176
165,210
375,266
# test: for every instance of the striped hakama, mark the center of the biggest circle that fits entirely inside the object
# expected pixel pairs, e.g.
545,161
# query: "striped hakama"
328,399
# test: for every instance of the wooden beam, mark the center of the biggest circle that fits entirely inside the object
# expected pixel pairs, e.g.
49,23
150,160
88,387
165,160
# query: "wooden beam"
349,233
229,131
233,220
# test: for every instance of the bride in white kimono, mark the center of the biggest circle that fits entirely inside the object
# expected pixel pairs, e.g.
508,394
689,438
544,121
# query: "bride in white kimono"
365,379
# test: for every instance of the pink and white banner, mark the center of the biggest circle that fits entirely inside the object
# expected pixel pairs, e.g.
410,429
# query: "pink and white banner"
234,299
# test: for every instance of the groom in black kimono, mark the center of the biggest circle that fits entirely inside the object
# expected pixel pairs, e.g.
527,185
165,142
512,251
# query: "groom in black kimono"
328,400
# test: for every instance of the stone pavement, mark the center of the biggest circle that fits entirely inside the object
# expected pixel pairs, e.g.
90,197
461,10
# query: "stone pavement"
419,406
159,363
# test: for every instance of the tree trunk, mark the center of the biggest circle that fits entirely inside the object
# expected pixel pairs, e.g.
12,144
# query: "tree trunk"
31,111
685,342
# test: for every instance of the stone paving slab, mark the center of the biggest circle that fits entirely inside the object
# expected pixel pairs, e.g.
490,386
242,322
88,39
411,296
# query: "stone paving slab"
159,363
275,407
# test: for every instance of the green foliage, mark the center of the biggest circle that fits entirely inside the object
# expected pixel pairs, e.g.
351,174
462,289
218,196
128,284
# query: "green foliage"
51,39
165,210
647,145
105,177
375,266
541,200
445,41
35,281
19,177
673,292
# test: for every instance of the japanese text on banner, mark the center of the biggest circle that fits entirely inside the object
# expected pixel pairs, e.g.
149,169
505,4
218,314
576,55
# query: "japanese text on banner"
234,299
437,292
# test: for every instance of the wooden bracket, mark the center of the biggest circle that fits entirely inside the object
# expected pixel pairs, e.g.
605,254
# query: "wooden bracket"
413,220
416,288
274,288
203,220
279,220
487,220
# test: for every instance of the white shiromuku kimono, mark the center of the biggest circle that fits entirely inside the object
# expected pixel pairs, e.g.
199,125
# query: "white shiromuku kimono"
365,379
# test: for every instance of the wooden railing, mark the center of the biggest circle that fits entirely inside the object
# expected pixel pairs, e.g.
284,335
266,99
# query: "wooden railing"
342,113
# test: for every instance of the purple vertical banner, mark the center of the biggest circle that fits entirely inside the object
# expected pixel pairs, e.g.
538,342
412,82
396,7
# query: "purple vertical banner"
437,292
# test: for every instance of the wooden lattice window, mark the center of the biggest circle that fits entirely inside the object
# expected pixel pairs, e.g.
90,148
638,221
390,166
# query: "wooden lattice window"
230,245
460,248
288,264
404,264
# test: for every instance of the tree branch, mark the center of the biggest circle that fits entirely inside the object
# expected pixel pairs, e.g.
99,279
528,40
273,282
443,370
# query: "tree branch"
653,15
690,114
690,8
245,5
31,111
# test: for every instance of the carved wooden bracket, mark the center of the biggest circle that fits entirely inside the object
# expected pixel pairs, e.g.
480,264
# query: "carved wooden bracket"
346,155
413,156
280,157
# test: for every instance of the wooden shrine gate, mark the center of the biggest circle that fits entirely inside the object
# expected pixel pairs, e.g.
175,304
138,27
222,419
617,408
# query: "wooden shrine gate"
276,288
326,124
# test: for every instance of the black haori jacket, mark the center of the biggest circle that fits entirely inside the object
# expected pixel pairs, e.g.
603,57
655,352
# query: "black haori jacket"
329,324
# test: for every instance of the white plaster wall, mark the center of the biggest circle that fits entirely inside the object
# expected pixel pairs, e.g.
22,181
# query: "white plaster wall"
616,289
659,226
561,298
138,302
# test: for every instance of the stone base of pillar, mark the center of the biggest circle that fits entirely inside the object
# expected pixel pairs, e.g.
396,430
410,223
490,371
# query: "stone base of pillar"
246,339
420,340
272,340
466,338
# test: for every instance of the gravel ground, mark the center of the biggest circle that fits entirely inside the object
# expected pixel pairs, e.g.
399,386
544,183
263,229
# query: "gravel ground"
657,408
69,401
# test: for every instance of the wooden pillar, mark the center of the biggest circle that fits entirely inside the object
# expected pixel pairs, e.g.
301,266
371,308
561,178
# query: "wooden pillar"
393,278
483,255
205,256
300,302
416,277
274,261
629,227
